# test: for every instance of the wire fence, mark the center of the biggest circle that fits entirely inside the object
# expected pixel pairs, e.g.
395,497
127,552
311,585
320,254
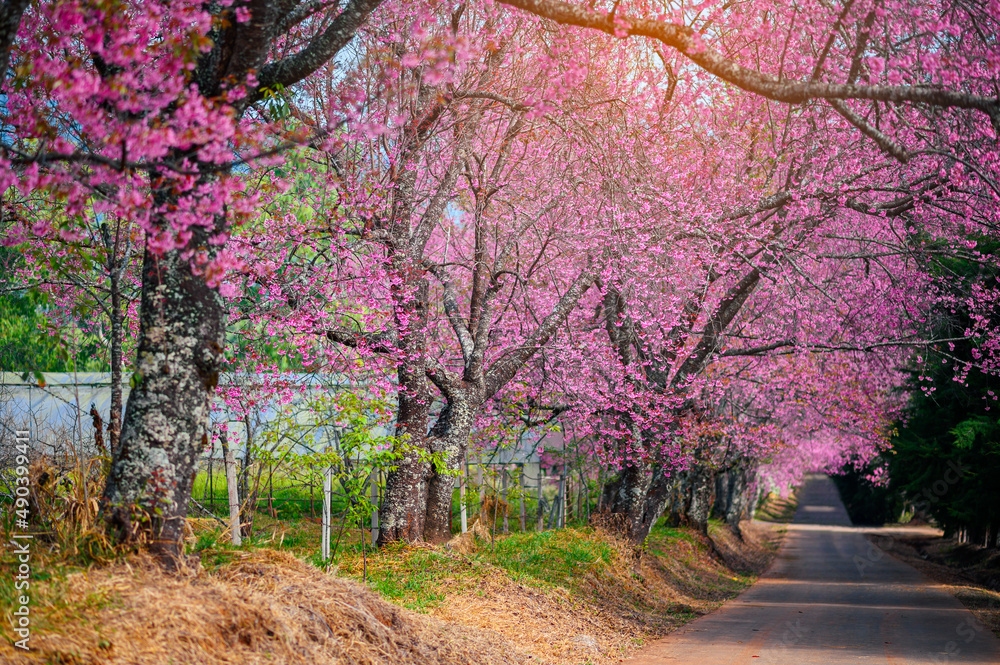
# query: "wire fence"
527,496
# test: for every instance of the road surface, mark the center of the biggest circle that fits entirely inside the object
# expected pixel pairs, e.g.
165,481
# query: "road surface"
831,598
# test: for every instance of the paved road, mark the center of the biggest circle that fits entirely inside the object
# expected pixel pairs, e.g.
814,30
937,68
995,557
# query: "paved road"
831,598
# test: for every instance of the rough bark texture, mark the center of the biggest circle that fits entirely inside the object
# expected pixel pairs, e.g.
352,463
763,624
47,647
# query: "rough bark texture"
177,362
182,319
402,514
635,499
734,490
10,19
625,498
702,497
449,438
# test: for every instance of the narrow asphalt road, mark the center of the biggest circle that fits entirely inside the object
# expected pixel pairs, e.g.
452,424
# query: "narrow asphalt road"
831,598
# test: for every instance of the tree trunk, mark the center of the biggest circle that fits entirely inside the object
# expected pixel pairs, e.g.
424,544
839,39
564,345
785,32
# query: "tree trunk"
10,19
735,499
403,511
449,438
702,498
991,535
178,358
679,499
625,499
635,500
115,414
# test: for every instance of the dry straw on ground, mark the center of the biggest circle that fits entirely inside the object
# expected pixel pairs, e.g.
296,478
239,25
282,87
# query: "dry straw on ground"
266,607
269,607
637,599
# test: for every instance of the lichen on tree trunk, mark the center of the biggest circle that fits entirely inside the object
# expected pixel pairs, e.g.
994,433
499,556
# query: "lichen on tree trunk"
163,434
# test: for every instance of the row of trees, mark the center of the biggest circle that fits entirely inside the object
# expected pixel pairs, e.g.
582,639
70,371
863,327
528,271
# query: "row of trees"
707,248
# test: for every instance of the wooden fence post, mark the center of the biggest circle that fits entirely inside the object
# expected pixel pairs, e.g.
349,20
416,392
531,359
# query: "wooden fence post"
562,499
520,482
461,498
482,485
209,495
374,481
325,542
539,510
232,490
503,484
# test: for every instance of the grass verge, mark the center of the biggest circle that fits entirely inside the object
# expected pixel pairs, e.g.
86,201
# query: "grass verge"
575,595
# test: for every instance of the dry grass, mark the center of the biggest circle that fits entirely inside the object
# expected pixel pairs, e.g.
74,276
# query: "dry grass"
599,601
617,608
264,607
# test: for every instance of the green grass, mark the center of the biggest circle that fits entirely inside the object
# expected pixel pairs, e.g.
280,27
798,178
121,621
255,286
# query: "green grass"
775,508
557,558
290,497
50,603
661,533
417,578
412,578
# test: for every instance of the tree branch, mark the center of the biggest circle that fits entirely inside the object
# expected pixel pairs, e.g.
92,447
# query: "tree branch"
453,312
292,69
686,41
504,369
10,20
383,342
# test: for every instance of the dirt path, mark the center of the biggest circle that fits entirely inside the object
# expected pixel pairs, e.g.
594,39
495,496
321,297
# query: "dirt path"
831,598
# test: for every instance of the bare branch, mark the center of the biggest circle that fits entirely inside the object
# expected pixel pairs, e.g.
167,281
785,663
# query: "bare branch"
453,313
884,142
383,342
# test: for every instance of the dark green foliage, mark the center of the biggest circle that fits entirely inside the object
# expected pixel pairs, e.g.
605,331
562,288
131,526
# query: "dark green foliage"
25,344
28,342
946,455
866,502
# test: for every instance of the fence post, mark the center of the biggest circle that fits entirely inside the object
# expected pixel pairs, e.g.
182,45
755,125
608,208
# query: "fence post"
562,499
482,485
540,511
325,542
270,490
503,484
209,495
232,490
374,481
520,482
461,498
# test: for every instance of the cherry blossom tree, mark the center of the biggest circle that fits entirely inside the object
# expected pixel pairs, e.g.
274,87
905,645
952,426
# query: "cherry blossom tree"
461,236
142,110
487,215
